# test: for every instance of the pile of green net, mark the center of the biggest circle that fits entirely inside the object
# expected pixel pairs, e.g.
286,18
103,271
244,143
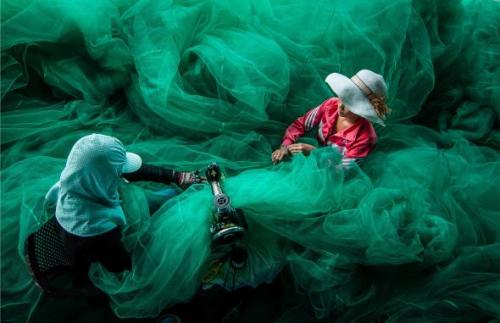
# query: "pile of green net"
414,234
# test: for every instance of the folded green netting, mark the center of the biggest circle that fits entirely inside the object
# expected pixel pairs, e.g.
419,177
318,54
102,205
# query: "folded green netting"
414,235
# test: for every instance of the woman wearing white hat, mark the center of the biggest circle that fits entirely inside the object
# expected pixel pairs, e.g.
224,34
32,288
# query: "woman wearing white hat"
87,202
344,122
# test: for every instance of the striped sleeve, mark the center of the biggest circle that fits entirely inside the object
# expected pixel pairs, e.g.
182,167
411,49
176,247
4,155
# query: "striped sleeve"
303,124
348,162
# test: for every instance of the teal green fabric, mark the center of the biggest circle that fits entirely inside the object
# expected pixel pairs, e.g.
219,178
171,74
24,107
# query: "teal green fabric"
414,235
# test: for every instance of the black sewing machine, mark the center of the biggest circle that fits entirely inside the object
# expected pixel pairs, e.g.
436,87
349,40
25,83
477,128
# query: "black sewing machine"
228,226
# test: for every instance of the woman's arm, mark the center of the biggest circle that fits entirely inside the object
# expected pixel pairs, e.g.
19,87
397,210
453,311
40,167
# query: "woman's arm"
163,175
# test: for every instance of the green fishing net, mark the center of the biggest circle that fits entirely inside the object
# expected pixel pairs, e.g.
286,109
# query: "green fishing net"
415,234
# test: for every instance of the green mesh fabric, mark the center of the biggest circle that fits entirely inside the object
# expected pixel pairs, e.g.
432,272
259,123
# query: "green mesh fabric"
413,235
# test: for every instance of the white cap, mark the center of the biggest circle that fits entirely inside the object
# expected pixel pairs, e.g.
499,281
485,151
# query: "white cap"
132,164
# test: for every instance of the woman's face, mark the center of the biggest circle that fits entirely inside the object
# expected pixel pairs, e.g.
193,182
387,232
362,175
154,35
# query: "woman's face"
344,112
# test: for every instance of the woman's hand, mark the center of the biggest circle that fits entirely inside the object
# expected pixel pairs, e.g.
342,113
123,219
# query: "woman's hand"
186,179
279,154
300,148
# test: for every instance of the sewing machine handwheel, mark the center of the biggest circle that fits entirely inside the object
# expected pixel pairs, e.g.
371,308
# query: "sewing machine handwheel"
228,235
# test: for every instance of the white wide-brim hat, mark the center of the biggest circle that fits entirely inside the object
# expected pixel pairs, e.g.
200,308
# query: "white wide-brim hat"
354,92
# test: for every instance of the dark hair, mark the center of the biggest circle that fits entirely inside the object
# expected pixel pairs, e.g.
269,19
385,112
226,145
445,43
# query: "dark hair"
378,103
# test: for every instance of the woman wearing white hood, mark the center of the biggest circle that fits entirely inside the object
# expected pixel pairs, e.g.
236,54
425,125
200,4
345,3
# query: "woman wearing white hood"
344,122
87,201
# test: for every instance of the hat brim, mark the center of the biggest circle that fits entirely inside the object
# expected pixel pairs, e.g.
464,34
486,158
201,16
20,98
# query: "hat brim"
353,97
132,164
